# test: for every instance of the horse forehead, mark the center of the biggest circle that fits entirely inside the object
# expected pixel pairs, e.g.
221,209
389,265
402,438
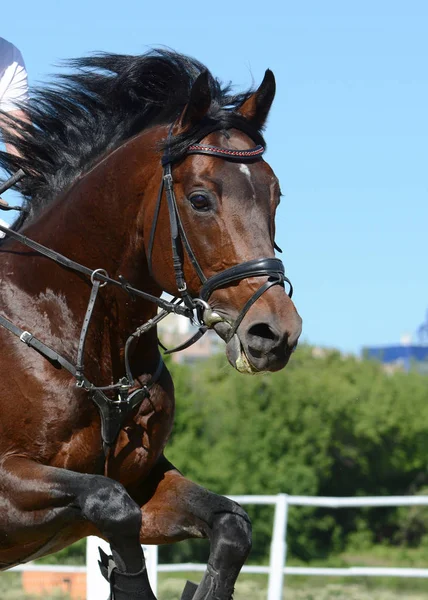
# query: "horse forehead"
230,179
254,172
253,179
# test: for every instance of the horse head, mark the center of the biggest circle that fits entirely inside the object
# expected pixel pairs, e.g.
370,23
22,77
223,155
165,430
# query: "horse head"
225,197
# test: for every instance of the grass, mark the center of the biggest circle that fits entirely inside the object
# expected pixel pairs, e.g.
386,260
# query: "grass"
250,588
254,587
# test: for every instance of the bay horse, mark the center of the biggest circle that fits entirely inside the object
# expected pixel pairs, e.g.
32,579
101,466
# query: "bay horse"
142,174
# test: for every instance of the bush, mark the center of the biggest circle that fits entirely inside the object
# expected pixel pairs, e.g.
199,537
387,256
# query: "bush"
326,425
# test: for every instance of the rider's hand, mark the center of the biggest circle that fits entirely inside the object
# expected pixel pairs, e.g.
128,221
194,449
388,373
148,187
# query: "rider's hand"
3,202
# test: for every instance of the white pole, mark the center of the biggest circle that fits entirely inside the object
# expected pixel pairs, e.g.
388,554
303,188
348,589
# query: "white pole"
278,549
96,586
151,556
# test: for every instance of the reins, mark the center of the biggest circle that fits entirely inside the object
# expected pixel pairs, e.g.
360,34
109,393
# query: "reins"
114,411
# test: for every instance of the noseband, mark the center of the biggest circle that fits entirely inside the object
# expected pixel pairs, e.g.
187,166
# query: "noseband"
273,268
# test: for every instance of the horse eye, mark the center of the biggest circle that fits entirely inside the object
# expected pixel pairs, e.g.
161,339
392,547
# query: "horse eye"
200,202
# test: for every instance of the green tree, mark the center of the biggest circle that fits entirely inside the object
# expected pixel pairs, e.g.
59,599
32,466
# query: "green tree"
326,425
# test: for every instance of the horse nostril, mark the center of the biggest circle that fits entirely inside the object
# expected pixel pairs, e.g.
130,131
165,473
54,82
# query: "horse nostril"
262,330
261,338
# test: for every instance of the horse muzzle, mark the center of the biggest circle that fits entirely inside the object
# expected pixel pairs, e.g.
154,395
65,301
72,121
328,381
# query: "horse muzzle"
257,346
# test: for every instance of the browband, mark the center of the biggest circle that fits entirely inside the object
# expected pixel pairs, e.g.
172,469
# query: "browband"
239,155
226,153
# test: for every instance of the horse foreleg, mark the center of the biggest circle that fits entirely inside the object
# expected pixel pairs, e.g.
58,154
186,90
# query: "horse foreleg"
45,508
180,509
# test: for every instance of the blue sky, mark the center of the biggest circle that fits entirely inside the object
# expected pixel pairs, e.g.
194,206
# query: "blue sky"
347,135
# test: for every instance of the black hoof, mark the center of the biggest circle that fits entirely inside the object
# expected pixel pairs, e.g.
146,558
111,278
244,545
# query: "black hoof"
189,591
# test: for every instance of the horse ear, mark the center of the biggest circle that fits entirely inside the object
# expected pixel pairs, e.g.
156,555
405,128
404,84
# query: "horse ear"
256,107
199,102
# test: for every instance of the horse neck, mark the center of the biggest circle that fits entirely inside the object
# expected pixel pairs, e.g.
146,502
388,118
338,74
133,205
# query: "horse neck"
95,220
95,223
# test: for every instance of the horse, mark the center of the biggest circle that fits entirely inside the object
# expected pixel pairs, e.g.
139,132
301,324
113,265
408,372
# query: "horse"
139,175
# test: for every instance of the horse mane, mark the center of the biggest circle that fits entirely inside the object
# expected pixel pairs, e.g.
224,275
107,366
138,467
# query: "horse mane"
105,100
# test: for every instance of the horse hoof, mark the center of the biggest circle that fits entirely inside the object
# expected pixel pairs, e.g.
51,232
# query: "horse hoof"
189,590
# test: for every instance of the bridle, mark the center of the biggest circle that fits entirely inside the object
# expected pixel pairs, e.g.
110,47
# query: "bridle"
271,267
114,411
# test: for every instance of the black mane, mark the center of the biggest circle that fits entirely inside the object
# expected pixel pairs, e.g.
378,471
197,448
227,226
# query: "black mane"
107,99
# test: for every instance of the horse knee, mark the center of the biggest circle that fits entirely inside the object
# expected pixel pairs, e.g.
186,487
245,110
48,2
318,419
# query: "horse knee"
234,534
108,505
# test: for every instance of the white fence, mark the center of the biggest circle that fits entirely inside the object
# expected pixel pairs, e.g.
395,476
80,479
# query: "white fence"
277,569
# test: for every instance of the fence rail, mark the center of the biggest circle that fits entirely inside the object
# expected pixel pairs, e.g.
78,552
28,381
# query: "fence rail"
277,568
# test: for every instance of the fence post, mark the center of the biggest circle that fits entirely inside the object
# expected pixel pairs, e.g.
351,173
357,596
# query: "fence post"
278,549
151,556
96,586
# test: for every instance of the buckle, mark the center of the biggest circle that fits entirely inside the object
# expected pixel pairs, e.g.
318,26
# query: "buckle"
26,337
168,181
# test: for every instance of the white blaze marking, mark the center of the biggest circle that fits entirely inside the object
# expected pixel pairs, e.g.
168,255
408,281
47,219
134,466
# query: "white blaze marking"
244,169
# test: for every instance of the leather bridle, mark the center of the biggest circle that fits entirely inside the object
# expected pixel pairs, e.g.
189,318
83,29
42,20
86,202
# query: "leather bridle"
114,411
271,267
